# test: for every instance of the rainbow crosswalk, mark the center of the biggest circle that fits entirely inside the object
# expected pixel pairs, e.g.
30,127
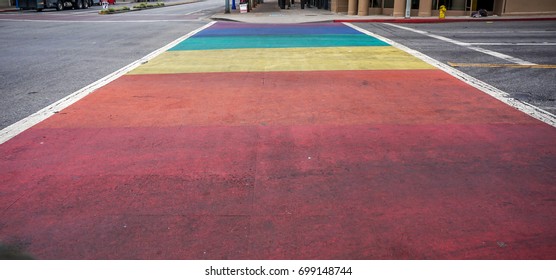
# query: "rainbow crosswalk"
296,141
263,48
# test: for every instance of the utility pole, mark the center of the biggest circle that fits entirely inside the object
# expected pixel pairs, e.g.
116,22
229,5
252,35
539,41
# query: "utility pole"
227,9
407,8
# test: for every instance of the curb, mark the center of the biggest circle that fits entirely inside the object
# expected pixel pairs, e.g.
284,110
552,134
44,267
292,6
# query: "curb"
224,19
433,20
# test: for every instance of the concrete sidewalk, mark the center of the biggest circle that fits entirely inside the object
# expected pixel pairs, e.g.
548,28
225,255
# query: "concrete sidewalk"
270,12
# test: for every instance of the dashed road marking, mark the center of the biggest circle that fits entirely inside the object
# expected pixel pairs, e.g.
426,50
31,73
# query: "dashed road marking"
467,45
495,65
503,96
514,44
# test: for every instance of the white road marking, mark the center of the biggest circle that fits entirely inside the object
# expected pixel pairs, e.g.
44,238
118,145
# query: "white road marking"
499,65
503,96
514,44
26,123
496,31
100,21
196,11
149,14
85,12
467,45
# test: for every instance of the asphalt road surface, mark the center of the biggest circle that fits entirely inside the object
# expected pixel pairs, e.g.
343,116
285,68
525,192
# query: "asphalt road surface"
47,56
309,142
531,42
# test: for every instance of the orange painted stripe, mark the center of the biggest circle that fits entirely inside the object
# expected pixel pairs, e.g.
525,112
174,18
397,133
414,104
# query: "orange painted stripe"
286,98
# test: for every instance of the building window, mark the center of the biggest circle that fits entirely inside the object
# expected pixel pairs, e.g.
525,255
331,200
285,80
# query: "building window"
415,4
389,4
375,4
450,4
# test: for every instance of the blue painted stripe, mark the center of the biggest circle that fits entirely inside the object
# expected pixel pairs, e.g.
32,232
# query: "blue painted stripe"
242,29
303,41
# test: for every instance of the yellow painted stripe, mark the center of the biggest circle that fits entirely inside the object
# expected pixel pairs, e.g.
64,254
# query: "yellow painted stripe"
287,59
493,65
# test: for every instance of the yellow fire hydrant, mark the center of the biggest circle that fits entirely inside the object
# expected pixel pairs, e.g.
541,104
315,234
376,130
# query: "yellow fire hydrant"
442,12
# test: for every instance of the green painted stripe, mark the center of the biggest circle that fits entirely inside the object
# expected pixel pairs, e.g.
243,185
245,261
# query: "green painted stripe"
278,41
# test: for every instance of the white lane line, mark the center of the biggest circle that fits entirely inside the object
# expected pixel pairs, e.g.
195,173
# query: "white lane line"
496,32
153,14
26,123
84,12
499,65
196,11
100,21
503,96
514,44
467,45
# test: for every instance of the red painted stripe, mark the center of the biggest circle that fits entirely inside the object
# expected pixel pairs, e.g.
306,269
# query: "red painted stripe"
295,192
287,98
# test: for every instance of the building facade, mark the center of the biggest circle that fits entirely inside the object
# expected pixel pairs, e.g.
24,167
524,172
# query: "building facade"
5,3
427,8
